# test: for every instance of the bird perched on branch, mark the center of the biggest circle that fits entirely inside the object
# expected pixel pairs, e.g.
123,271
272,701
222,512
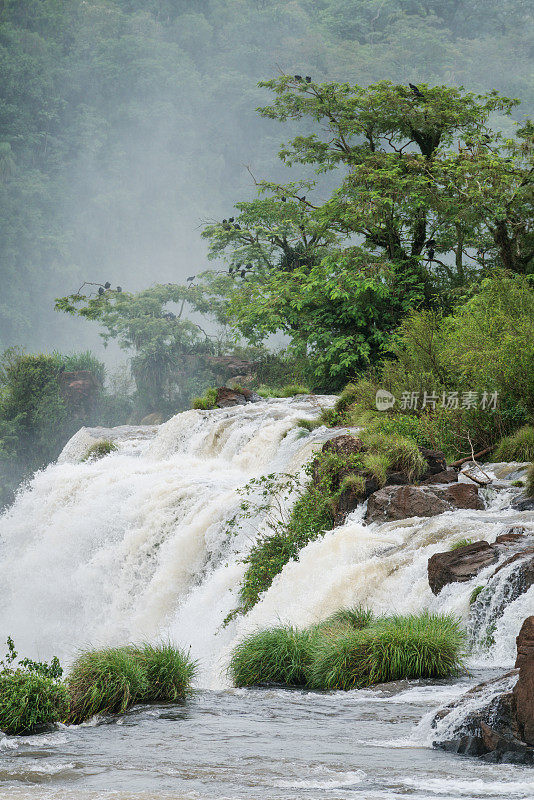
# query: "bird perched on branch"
308,79
100,291
298,78
119,289
416,91
107,285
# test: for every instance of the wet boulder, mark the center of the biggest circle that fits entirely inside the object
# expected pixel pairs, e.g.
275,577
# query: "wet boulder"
523,503
449,475
401,502
499,727
459,565
435,460
226,398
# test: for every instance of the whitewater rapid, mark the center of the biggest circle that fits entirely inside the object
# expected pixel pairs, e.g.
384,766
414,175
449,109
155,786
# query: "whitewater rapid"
137,545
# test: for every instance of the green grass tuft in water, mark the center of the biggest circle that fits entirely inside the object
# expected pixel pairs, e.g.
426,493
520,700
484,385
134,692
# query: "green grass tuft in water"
169,672
350,650
277,655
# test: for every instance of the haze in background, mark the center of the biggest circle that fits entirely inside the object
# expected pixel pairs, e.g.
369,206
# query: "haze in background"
125,125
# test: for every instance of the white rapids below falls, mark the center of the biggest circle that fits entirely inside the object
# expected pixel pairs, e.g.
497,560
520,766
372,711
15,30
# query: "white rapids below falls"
136,546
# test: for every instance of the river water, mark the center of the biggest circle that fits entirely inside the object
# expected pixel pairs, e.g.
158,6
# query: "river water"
137,546
261,744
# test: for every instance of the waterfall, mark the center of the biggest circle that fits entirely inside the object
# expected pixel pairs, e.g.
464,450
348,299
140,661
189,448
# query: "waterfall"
136,546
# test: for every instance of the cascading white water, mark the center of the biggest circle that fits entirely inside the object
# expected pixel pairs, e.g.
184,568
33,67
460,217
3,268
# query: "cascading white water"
137,546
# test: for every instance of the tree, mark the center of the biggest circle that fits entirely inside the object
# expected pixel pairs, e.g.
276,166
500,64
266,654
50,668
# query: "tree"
431,192
168,349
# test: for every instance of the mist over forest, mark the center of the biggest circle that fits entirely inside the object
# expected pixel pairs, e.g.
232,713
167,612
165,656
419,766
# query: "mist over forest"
127,125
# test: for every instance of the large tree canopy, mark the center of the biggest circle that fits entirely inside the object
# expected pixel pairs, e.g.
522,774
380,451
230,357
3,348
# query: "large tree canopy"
432,194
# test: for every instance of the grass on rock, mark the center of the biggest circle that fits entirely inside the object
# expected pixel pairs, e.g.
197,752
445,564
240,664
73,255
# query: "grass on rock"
207,401
460,543
101,448
530,481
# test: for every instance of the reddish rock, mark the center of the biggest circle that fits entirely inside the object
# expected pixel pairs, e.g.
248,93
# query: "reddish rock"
460,565
524,688
401,502
226,398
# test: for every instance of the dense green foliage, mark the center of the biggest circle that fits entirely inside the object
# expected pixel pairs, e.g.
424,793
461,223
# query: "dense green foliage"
106,681
460,360
124,122
350,650
437,198
391,648
31,696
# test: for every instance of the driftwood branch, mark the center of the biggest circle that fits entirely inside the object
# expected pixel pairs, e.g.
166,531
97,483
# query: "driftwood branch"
471,458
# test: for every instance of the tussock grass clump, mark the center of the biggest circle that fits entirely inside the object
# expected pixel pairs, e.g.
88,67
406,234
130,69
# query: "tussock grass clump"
29,702
347,619
278,655
517,447
101,448
169,672
105,681
207,401
352,649
392,648
530,481
460,543
309,424
376,466
400,453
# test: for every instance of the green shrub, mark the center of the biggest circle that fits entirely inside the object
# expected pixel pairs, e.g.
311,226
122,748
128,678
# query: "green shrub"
30,702
101,448
292,389
31,695
278,655
517,447
460,543
207,401
105,681
530,481
392,648
169,672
